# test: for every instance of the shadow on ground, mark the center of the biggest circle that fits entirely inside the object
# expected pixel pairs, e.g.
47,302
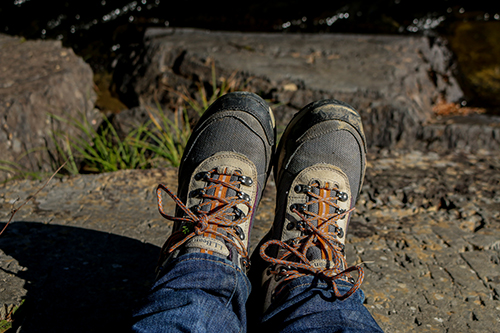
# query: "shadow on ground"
78,280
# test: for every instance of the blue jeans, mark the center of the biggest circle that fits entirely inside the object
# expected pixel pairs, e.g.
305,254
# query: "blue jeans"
204,293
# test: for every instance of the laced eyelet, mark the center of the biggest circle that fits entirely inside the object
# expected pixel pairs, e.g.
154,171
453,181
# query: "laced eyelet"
340,211
245,180
298,207
202,176
340,232
342,196
198,193
302,188
245,263
239,232
238,213
302,226
280,276
244,196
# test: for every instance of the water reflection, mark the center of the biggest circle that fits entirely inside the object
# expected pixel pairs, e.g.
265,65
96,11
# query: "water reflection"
390,16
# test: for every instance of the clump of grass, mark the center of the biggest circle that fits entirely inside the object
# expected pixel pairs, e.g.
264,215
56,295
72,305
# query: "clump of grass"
17,171
167,138
101,150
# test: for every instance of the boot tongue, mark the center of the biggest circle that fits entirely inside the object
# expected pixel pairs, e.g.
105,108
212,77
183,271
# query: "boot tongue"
315,254
322,208
208,242
218,190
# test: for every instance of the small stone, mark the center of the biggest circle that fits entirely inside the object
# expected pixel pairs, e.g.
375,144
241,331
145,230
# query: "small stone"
290,87
473,223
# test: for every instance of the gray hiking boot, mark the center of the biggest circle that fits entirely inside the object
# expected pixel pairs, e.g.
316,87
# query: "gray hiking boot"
222,174
319,172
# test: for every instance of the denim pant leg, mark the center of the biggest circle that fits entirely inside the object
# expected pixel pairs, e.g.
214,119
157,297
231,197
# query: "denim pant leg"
197,293
306,305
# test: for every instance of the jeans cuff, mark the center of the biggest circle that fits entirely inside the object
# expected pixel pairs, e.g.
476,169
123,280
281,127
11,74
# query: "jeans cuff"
191,257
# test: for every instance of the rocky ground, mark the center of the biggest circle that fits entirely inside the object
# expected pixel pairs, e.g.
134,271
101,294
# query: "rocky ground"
430,225
426,227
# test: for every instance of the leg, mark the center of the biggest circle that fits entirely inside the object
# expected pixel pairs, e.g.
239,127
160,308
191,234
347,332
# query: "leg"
308,305
198,293
319,170
202,284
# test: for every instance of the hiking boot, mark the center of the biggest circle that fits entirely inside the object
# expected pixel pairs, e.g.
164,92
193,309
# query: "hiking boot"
319,172
223,171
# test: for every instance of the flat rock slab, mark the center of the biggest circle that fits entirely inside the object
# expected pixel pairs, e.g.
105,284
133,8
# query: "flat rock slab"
427,228
393,81
330,63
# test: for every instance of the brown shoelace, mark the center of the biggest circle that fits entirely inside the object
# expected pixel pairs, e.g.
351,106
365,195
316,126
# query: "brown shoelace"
221,213
316,235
